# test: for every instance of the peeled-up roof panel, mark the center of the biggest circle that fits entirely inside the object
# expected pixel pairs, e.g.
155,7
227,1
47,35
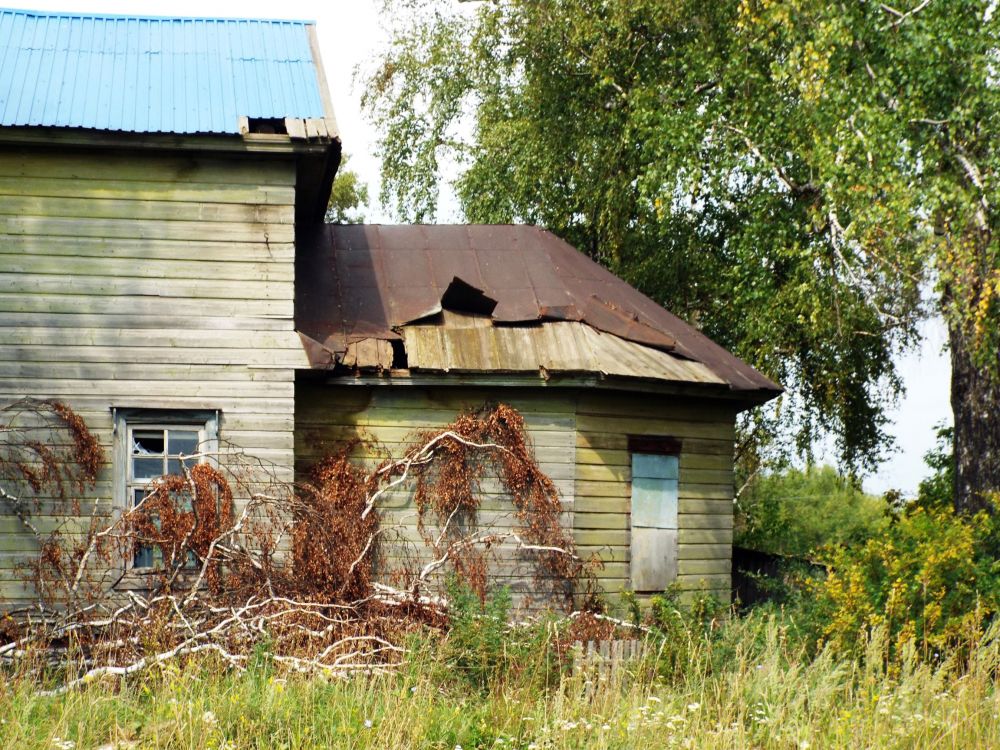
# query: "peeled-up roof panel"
383,282
147,74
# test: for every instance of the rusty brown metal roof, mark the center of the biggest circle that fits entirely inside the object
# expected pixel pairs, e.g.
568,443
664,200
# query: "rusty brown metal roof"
360,284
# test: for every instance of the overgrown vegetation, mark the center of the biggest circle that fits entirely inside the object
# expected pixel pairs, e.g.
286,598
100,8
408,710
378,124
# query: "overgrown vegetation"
798,511
923,575
931,582
246,559
741,683
896,643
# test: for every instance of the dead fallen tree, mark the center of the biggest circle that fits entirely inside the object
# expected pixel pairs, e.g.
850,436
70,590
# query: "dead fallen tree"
247,561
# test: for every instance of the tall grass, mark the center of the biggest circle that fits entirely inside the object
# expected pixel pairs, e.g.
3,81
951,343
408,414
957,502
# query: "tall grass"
750,684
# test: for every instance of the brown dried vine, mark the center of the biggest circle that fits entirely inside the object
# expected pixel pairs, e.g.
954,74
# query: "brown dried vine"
478,446
333,541
246,558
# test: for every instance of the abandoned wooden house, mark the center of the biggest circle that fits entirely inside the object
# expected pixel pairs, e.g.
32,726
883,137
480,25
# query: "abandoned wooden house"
166,272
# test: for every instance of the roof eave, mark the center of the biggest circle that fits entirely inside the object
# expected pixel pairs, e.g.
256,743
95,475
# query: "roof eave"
741,399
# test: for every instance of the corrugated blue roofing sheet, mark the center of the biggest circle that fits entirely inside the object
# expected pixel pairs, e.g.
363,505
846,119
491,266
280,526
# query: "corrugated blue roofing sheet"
153,75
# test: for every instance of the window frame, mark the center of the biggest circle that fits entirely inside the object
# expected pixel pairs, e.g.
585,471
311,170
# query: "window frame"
653,537
128,420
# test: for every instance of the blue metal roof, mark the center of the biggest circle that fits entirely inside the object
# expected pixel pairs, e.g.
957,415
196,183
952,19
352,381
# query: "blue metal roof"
146,74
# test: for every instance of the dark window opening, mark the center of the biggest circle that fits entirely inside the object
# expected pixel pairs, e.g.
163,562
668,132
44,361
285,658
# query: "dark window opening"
399,360
267,125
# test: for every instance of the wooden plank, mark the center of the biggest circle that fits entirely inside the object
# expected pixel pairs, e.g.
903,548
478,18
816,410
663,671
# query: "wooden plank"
206,248
138,311
619,442
598,521
616,460
194,388
524,399
607,554
705,581
699,568
46,226
129,337
150,357
705,551
645,408
395,438
721,521
590,504
376,416
116,285
85,402
705,536
688,491
106,168
144,372
673,427
600,538
91,208
149,190
156,317
149,268
705,507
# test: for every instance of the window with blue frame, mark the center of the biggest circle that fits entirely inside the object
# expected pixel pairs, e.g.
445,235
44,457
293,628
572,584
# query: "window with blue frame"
654,528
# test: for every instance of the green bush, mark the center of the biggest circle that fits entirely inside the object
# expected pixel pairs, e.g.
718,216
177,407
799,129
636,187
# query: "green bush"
486,651
796,512
931,580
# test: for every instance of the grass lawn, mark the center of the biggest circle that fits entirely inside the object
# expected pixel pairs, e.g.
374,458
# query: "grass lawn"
746,685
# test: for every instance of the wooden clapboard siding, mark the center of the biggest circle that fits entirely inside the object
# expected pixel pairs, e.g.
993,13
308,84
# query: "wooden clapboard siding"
152,281
581,439
706,430
327,415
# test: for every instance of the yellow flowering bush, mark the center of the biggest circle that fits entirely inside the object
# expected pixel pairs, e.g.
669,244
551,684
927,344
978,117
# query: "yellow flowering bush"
932,579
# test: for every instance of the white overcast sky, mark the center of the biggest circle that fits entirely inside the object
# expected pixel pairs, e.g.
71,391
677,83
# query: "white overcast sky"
349,35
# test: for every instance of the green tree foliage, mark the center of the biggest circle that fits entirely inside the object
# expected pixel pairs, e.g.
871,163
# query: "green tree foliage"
938,489
797,512
787,176
347,197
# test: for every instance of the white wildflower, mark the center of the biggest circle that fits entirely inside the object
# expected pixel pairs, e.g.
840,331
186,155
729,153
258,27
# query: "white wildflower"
368,723
693,706
804,745
209,717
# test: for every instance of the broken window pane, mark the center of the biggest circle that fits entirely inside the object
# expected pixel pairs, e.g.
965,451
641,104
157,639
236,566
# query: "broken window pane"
146,442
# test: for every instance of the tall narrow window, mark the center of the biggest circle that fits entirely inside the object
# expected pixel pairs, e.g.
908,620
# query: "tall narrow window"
655,475
150,444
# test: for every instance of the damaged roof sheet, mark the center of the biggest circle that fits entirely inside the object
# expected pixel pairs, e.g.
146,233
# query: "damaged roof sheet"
459,342
359,282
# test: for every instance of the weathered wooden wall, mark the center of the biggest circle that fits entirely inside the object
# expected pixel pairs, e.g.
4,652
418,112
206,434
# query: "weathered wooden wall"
706,430
142,280
389,419
581,440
